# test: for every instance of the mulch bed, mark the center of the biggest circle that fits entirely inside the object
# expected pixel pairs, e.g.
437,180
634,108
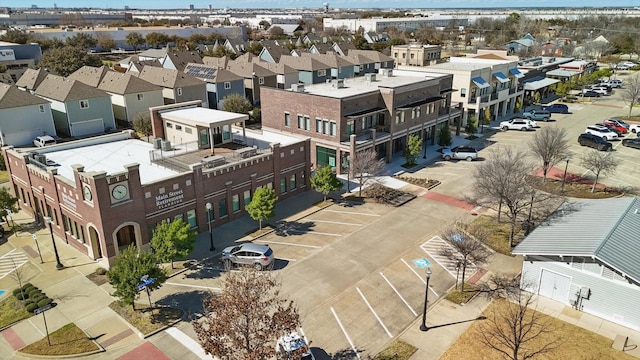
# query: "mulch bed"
386,195
425,183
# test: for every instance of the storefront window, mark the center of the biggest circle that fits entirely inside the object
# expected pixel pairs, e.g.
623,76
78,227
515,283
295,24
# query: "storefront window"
292,182
222,208
283,185
325,156
235,202
247,197
191,218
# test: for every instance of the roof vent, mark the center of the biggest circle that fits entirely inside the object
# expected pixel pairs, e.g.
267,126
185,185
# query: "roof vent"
635,212
386,72
299,88
337,83
370,77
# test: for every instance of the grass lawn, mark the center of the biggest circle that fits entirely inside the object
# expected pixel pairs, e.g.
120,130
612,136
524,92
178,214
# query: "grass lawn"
458,297
147,320
498,233
574,189
398,350
575,343
12,310
4,176
67,340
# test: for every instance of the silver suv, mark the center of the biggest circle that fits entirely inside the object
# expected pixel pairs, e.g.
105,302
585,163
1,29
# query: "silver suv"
257,256
460,152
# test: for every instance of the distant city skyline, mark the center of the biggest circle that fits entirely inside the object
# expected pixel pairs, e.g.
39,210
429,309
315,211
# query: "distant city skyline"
353,4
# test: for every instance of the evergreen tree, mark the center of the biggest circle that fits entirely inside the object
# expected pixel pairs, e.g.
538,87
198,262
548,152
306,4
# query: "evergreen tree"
262,205
414,146
444,137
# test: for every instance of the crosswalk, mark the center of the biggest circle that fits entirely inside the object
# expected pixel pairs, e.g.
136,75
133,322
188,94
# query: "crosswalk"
11,261
433,247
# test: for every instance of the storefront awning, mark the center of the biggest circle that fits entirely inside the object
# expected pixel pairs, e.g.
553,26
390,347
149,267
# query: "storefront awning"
419,103
539,84
501,77
515,72
365,112
480,82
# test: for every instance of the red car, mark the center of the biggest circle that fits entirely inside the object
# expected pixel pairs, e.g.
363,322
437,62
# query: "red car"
616,125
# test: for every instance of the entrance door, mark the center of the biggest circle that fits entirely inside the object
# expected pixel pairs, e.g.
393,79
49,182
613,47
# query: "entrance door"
554,286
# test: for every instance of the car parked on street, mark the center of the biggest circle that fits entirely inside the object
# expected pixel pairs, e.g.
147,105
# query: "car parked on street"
589,93
534,114
616,125
601,131
557,108
594,141
460,152
259,257
516,124
632,143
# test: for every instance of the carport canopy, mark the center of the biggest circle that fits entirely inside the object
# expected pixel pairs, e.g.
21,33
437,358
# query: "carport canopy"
539,84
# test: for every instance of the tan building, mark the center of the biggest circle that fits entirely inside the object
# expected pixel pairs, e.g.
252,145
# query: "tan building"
416,54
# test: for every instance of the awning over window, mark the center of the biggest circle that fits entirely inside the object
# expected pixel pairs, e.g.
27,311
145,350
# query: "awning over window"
365,112
515,72
539,84
419,103
480,82
501,77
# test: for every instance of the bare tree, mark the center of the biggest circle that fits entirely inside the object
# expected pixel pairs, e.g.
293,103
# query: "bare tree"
246,319
599,163
550,144
18,275
465,247
517,331
364,165
631,92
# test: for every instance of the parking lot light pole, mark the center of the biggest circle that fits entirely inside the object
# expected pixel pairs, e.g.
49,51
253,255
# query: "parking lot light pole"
209,207
564,176
49,221
423,326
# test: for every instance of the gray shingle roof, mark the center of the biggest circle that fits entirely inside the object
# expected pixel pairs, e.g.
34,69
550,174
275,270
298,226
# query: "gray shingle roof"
371,54
153,53
12,97
168,78
89,75
31,78
126,83
305,63
61,89
180,59
606,229
249,69
219,62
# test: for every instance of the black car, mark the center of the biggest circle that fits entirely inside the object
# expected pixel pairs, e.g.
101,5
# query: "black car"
632,143
595,142
557,108
589,93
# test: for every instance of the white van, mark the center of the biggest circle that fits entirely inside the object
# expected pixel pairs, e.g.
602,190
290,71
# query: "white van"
44,140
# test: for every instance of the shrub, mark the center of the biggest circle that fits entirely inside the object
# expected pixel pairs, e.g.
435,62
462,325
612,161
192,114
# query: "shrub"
101,271
31,307
44,302
38,297
34,293
27,285
22,296
17,291
28,301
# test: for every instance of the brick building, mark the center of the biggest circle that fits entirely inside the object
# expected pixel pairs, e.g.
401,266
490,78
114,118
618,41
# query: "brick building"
345,116
105,193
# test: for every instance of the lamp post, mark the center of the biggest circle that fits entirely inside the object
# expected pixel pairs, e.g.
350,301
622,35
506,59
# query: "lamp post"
209,207
49,221
424,146
564,176
423,326
345,167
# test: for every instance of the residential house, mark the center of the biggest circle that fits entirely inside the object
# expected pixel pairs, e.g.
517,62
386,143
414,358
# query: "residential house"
152,54
341,67
255,77
130,95
285,75
342,47
19,57
320,48
524,45
344,117
373,37
236,46
89,75
362,64
380,60
416,54
24,116
78,109
313,39
219,83
177,86
311,70
178,60
218,62
481,83
136,66
31,78
585,255
273,54
288,29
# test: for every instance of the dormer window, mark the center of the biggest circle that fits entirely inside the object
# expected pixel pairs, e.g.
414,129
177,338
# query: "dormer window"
227,85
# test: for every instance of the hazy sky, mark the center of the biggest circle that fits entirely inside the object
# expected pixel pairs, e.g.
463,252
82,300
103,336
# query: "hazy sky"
238,4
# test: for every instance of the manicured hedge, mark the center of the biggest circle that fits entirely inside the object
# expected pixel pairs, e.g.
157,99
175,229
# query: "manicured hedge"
31,307
44,302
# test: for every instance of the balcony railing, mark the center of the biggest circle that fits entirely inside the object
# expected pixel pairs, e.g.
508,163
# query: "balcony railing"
484,99
494,96
512,91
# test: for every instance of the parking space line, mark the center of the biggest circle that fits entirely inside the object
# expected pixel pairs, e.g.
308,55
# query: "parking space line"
412,270
398,293
285,259
374,313
331,222
286,243
194,286
312,232
351,213
353,347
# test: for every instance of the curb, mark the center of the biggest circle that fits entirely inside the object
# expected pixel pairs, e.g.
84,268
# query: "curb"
67,356
166,326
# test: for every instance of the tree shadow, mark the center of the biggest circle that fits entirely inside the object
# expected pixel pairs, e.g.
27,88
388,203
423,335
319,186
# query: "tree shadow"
457,322
189,302
208,269
292,228
344,354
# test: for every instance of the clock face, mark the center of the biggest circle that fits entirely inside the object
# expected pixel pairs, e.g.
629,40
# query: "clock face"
119,192
86,189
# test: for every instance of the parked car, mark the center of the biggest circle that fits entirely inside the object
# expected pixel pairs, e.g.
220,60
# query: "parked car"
616,125
292,343
534,114
516,124
259,257
635,128
623,67
601,131
615,83
589,93
557,108
44,140
600,90
611,128
619,122
594,141
632,143
460,152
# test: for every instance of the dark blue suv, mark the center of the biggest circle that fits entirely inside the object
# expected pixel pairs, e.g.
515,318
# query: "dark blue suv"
557,108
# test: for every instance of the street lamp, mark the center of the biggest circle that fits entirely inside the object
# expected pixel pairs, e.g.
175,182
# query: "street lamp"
424,146
209,207
564,176
345,167
49,221
423,326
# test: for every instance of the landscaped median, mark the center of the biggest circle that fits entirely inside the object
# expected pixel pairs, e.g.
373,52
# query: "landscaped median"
148,320
68,341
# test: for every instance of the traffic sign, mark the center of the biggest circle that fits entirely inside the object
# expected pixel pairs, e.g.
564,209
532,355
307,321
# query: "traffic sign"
34,236
42,309
9,212
146,281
